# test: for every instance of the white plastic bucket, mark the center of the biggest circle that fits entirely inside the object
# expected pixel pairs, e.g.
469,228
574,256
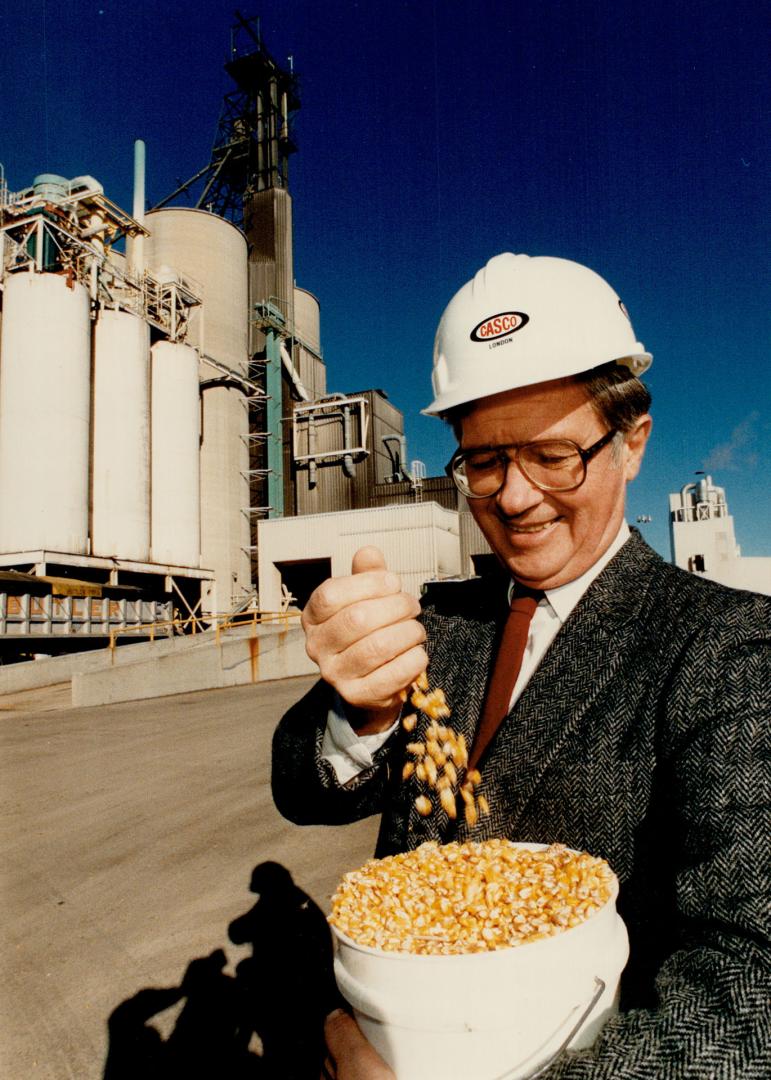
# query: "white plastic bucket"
496,1015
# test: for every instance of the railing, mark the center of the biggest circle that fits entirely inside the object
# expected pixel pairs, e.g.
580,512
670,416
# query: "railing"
255,619
197,624
700,512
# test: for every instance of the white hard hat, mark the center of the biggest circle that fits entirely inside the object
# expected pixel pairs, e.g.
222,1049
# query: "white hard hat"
524,320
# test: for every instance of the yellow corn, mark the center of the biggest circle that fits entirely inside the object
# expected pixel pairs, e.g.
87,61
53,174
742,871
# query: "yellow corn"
471,897
443,749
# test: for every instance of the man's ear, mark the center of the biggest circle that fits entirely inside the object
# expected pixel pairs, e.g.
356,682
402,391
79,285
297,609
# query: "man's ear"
635,442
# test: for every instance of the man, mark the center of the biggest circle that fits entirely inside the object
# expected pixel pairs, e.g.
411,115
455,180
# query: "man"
634,726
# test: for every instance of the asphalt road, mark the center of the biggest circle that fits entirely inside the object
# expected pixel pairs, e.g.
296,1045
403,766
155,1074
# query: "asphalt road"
128,836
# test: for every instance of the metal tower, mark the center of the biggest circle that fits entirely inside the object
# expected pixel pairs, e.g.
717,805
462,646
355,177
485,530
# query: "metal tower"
253,143
246,181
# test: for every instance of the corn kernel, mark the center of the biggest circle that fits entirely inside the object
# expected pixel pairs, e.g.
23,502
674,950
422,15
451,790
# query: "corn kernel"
461,898
447,799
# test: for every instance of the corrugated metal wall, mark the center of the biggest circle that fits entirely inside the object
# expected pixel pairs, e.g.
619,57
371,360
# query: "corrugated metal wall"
334,491
419,542
268,228
438,489
472,542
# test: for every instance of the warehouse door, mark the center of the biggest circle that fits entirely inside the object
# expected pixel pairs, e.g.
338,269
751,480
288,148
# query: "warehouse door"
302,576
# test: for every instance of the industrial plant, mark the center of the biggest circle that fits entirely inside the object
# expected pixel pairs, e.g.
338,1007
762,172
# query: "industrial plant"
163,399
169,452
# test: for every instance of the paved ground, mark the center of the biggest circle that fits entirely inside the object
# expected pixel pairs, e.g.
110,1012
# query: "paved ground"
127,839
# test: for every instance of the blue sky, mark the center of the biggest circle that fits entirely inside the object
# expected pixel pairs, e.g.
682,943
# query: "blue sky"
629,136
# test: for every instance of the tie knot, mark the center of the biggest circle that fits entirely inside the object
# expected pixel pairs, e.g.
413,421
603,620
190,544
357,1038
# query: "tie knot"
524,598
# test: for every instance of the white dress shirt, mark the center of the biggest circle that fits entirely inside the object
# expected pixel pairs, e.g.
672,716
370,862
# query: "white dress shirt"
349,753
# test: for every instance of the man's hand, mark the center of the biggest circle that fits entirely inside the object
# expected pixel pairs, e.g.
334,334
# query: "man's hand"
363,633
350,1055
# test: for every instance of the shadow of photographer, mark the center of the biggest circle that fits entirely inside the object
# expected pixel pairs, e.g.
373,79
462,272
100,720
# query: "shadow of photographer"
263,1023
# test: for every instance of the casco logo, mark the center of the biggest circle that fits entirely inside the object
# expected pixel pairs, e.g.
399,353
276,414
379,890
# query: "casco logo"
498,326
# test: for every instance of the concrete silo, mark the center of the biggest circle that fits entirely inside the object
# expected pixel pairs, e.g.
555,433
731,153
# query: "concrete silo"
212,253
121,437
45,391
307,340
176,486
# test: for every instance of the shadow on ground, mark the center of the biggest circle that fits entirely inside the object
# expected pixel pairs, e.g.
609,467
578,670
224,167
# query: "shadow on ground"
264,1023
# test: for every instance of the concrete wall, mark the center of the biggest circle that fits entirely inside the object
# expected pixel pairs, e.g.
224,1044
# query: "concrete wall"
272,653
30,674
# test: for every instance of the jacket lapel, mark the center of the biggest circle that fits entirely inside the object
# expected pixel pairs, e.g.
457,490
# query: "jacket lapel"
586,655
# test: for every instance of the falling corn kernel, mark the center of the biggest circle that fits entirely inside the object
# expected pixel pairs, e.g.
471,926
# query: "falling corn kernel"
440,756
447,799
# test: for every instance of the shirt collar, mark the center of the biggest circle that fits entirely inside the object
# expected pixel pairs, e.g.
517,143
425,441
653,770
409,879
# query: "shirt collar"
564,598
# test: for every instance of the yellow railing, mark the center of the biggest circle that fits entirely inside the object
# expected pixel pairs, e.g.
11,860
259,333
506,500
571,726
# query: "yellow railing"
253,619
196,624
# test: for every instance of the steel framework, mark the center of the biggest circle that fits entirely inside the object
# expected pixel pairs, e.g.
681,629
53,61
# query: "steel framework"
253,143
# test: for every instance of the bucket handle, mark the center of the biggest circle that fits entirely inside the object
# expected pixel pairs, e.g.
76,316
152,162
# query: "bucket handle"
599,990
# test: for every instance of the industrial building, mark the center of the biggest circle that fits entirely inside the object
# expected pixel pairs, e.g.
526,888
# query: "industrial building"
703,540
163,396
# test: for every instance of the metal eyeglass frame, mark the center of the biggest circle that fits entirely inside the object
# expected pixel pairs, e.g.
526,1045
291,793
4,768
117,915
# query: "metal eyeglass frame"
505,460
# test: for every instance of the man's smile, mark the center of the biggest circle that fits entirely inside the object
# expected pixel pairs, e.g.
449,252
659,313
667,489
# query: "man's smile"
536,527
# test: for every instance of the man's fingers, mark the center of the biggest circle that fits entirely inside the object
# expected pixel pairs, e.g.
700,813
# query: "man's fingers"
356,621
379,648
368,558
355,1058
361,637
383,685
334,594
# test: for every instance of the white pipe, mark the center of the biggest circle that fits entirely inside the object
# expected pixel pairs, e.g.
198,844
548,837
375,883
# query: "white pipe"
684,491
293,374
137,257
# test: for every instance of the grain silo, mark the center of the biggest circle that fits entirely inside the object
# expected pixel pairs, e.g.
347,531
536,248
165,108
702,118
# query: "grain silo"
121,436
44,413
211,253
307,339
81,435
175,476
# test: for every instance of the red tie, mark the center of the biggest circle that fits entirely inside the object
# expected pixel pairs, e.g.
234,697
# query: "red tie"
507,664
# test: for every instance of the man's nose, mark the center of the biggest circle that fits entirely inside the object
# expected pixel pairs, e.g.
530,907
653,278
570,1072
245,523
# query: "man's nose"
518,493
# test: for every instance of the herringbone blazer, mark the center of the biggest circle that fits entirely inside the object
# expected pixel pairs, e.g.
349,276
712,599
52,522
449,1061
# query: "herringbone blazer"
643,738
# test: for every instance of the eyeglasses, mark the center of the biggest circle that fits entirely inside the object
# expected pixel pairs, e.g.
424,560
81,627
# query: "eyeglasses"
549,464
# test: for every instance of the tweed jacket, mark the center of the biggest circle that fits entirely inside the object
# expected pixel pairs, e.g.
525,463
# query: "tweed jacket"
642,737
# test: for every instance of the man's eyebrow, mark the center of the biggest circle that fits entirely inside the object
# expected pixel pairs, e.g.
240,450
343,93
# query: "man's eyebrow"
489,446
481,446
